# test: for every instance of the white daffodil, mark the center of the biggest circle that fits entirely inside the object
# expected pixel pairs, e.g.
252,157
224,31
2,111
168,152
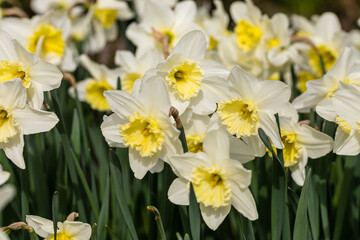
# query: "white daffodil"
172,23
97,25
278,42
326,34
69,230
320,91
251,104
46,36
345,112
37,76
134,67
344,132
91,90
218,181
141,122
17,119
300,142
192,81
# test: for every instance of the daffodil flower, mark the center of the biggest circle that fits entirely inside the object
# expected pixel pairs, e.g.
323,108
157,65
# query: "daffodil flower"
218,181
251,104
300,142
173,23
134,67
36,75
345,102
18,119
320,91
7,191
141,122
91,90
46,36
68,230
192,80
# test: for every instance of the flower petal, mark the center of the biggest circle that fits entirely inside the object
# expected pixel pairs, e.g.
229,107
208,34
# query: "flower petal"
214,217
141,165
77,230
243,202
183,165
178,192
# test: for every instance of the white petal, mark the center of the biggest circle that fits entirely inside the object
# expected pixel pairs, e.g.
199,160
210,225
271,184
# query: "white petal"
4,176
202,105
14,150
298,174
214,217
240,150
327,26
214,87
25,57
77,230
12,94
7,50
326,110
141,165
81,89
110,128
242,82
93,68
157,15
122,103
350,146
183,165
159,166
243,202
346,105
42,226
7,192
47,74
35,121
192,46
126,60
178,192
216,146
317,144
35,95
236,173
214,69
272,95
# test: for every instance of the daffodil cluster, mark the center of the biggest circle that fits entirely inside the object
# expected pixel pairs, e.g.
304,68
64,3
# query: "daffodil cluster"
203,92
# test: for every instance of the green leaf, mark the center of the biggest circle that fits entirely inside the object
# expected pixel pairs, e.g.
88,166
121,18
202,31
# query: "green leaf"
265,139
301,227
182,138
104,212
55,211
116,177
194,215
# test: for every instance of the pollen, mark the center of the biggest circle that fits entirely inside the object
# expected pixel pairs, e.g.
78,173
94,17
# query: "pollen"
211,187
50,38
185,79
95,95
11,69
239,116
343,125
143,134
195,143
106,16
247,35
329,58
127,81
7,126
292,152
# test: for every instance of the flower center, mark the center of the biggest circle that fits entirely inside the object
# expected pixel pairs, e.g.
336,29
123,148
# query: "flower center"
185,79
52,40
144,134
213,43
61,236
329,58
7,126
239,116
195,143
247,35
106,16
292,152
127,81
343,125
11,69
95,95
210,187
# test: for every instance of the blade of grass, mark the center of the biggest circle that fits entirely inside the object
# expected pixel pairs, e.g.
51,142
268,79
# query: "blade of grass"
55,211
158,221
194,215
